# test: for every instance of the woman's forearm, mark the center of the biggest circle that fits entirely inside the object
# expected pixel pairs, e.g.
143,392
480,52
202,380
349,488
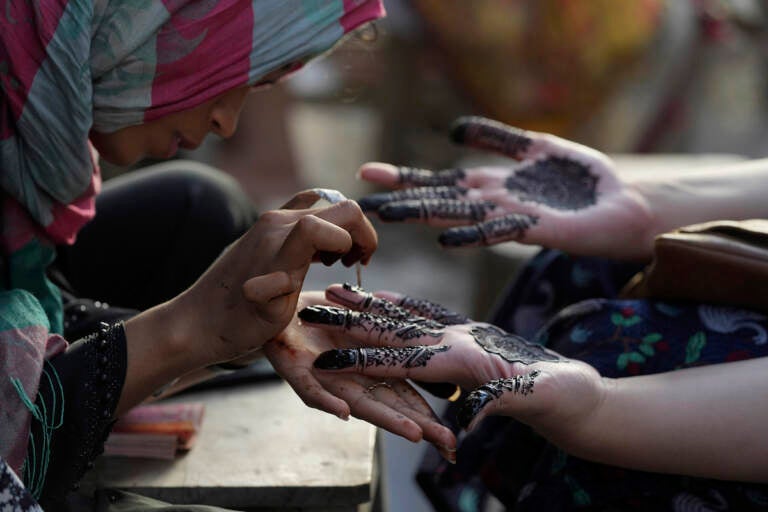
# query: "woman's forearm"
159,349
708,421
732,191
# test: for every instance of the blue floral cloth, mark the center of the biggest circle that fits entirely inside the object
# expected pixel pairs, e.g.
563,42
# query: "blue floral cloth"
570,305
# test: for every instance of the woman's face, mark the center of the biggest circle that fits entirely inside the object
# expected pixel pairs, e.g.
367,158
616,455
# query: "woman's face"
163,137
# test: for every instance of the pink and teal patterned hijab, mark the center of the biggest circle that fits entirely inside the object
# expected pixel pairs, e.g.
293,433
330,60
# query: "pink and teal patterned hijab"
67,66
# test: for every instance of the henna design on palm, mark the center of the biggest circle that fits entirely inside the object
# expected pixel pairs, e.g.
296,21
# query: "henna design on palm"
510,347
560,183
510,228
480,397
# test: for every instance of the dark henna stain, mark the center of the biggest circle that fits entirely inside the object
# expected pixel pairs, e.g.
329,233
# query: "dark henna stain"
385,308
436,312
509,228
479,398
425,209
407,357
426,178
560,183
510,347
403,329
374,201
483,133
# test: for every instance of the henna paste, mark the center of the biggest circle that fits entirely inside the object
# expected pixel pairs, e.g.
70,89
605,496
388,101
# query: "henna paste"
361,358
424,209
426,178
479,398
375,201
510,347
385,308
402,329
560,183
509,227
483,133
429,309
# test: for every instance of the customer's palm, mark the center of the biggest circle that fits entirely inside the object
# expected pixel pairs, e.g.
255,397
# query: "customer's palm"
394,406
560,195
509,375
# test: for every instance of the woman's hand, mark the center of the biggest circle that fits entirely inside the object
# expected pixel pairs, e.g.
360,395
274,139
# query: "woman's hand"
390,403
403,338
249,293
560,195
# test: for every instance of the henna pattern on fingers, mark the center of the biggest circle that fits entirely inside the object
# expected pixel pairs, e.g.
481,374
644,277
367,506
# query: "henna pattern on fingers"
361,358
436,312
425,209
405,310
479,398
508,228
425,178
375,201
510,347
483,133
402,329
560,183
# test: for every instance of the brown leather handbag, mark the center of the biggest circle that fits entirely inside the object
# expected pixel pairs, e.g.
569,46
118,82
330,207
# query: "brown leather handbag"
721,262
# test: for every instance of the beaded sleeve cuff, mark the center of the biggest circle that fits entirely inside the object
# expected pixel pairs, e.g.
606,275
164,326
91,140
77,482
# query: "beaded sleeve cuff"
92,373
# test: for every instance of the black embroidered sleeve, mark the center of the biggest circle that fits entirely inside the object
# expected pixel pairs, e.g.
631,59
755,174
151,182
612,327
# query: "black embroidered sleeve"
92,373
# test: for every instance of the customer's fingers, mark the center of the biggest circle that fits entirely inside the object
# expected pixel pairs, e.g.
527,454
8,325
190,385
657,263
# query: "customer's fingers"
373,202
515,227
423,363
437,212
500,396
487,134
370,329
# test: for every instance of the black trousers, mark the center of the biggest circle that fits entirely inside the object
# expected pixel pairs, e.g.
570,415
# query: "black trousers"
156,230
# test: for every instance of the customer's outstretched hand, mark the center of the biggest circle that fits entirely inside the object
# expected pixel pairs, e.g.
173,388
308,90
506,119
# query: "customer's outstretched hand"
390,403
399,337
559,194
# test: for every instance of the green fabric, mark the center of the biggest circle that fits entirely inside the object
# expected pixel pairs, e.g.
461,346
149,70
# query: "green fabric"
20,309
27,271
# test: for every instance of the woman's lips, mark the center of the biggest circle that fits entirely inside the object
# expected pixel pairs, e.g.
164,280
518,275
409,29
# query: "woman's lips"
187,144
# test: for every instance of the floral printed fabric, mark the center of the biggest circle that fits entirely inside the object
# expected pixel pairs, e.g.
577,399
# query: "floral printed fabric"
13,496
569,304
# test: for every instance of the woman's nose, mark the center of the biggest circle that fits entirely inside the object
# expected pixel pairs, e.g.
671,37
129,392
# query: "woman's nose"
224,121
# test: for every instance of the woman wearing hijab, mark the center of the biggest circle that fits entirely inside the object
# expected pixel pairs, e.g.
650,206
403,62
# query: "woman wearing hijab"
131,80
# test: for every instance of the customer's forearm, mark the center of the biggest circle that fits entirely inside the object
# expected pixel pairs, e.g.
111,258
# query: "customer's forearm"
732,191
708,421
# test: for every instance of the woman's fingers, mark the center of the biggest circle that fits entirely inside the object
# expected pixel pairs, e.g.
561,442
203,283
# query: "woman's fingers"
348,215
374,329
309,236
500,396
262,289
